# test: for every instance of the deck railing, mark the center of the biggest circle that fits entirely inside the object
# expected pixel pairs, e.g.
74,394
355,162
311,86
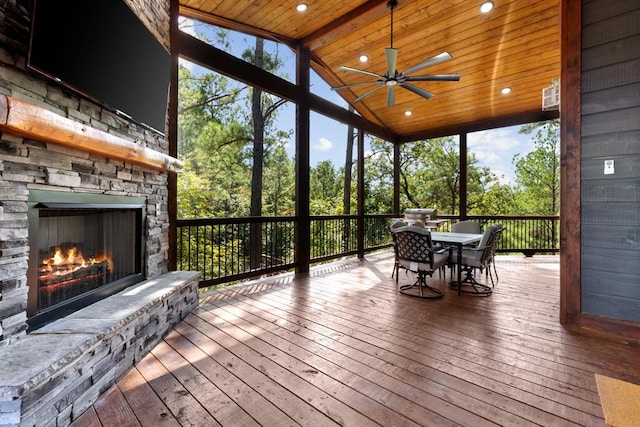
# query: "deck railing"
220,248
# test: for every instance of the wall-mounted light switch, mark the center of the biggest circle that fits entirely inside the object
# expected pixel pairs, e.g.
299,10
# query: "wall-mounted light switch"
608,167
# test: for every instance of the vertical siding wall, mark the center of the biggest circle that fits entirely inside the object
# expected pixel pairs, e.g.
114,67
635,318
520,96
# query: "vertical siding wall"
611,131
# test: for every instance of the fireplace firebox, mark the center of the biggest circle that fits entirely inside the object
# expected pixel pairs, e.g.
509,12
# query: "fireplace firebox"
83,247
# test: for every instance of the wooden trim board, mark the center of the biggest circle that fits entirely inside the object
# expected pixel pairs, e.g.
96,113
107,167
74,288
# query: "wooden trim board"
28,120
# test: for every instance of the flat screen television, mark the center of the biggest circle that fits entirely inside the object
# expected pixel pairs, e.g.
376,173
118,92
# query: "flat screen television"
101,49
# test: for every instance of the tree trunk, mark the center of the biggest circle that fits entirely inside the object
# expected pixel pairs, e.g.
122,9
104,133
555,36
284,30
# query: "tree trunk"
255,208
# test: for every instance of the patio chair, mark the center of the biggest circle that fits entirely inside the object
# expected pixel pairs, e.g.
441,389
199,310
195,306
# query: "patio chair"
395,225
496,244
415,252
466,227
472,227
480,259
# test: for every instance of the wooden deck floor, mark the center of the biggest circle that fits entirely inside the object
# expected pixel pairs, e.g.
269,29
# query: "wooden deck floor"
343,347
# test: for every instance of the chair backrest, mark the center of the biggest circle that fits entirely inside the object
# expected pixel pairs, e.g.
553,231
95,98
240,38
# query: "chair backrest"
398,224
496,240
491,245
486,236
466,227
414,244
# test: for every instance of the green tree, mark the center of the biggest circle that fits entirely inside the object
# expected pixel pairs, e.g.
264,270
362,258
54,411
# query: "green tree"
497,199
538,172
325,189
279,183
211,140
538,182
263,112
429,175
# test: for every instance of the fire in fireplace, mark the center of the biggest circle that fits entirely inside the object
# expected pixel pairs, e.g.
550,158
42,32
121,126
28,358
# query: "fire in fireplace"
82,248
67,273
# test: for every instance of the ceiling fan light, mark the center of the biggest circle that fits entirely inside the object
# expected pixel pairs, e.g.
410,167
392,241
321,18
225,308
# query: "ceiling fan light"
486,7
301,7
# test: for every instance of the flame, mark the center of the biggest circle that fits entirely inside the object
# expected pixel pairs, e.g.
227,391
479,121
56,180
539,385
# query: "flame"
61,263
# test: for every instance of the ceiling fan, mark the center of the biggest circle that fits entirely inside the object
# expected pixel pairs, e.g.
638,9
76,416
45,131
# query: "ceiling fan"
393,78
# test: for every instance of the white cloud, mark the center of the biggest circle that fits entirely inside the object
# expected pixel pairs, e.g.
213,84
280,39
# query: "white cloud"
323,144
495,140
487,156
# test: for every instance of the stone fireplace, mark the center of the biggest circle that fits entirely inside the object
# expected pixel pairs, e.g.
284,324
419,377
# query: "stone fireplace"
83,248
64,143
84,186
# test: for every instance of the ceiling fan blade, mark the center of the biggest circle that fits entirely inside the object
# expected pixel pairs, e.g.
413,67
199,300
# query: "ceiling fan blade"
356,70
355,84
367,93
423,93
434,77
444,56
392,60
391,98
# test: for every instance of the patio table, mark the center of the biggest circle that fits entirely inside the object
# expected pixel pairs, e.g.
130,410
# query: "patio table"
459,240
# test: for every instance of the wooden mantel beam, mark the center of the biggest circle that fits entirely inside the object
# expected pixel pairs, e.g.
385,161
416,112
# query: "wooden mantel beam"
24,119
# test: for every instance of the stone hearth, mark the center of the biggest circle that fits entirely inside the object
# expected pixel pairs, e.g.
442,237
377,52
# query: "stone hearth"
54,374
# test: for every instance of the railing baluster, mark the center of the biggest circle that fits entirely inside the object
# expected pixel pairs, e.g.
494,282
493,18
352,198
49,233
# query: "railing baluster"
220,247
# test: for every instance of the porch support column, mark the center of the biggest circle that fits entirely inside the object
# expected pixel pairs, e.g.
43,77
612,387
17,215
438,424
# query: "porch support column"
361,194
463,176
172,135
570,163
396,179
303,228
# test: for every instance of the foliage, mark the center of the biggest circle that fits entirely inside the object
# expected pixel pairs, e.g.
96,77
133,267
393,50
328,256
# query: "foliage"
215,136
325,189
279,183
538,172
429,177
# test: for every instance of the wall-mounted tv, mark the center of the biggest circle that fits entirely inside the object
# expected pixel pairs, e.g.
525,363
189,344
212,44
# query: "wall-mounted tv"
100,49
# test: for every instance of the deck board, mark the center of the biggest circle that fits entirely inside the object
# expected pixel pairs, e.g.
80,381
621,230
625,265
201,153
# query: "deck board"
342,347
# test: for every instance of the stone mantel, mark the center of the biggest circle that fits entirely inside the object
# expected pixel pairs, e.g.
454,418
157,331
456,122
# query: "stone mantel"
28,120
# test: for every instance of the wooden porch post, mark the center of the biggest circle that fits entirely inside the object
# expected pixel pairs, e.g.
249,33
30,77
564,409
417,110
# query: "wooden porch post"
396,179
463,176
570,159
361,194
303,228
172,135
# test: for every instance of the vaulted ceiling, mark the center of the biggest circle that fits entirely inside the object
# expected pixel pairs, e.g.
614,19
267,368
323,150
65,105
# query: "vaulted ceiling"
515,45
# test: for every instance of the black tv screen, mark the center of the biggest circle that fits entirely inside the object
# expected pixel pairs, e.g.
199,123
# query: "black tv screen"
101,49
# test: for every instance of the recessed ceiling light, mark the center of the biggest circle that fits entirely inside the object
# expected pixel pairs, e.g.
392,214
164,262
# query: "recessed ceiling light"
486,7
364,58
301,7
505,90
408,113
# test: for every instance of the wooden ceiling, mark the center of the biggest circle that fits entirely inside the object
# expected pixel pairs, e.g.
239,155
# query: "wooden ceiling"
516,45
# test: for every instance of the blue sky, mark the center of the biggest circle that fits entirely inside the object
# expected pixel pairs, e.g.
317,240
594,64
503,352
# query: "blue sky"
494,148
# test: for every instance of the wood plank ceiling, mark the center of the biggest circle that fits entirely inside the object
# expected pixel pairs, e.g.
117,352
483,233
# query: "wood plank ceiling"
516,45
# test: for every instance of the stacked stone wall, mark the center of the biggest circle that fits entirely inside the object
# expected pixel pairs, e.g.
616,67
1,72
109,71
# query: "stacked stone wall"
30,164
